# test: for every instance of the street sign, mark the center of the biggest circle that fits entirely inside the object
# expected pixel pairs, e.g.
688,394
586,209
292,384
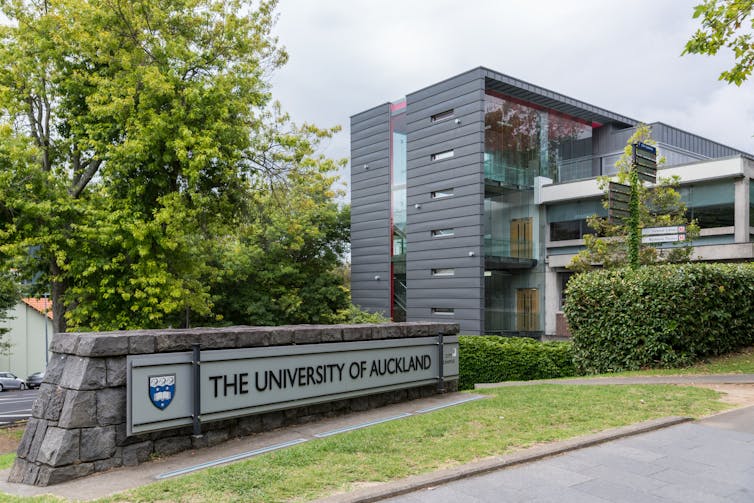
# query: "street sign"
665,238
618,197
645,162
654,231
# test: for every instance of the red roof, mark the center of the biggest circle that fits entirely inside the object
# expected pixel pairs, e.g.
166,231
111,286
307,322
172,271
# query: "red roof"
39,305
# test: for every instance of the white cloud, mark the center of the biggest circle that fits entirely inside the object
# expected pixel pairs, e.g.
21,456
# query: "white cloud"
347,56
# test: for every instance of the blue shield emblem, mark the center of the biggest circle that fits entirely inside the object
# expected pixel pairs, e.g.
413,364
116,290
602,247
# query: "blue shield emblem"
162,390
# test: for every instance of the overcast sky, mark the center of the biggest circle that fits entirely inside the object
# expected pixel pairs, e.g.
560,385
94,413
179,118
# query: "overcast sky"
350,55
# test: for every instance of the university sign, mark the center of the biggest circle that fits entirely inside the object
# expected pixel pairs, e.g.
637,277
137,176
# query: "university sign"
180,389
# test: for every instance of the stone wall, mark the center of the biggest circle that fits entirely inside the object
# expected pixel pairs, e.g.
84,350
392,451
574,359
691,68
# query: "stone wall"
78,423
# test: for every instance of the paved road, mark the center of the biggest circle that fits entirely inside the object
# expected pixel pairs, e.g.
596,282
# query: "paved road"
707,461
16,405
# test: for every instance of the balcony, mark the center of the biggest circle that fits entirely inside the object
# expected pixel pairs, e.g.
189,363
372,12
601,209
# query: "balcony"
496,173
509,254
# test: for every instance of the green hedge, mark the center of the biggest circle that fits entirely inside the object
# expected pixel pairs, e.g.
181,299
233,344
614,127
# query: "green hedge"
495,359
659,316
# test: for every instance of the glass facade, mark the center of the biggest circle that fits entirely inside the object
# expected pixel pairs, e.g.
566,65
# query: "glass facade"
522,141
398,166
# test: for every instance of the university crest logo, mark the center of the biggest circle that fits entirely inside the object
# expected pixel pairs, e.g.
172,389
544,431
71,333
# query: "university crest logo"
162,390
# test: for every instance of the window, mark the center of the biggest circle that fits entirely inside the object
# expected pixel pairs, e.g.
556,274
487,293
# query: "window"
445,154
444,311
439,194
438,233
443,272
447,114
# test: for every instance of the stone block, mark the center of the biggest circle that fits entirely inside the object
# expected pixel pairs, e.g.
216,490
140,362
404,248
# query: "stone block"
171,445
246,426
272,420
84,373
98,345
215,437
176,340
449,328
97,443
358,333
49,402
55,368
115,371
28,437
360,403
281,336
39,435
50,476
60,447
389,331
79,410
139,344
18,471
64,342
218,339
111,406
115,461
32,471
137,453
252,337
414,329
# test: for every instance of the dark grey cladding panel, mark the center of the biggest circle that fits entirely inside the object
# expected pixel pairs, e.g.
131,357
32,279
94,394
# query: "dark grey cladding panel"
691,142
444,284
428,206
361,119
457,139
463,213
370,208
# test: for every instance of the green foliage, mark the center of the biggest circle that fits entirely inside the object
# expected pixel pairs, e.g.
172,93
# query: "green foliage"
659,316
724,23
142,163
485,359
354,314
659,206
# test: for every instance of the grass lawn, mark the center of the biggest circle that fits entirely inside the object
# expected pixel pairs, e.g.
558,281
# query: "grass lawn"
509,419
740,362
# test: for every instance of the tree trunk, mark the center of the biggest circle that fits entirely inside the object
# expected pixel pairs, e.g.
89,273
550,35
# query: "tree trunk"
57,293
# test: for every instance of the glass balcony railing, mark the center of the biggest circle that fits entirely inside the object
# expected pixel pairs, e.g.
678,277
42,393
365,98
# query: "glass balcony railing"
505,321
506,175
509,248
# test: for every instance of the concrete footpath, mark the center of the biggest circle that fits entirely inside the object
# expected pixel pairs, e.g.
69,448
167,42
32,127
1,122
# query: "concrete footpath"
667,460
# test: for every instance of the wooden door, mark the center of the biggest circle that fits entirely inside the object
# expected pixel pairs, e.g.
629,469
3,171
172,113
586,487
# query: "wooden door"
521,237
527,310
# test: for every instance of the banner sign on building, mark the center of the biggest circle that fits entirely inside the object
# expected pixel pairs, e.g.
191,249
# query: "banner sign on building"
162,388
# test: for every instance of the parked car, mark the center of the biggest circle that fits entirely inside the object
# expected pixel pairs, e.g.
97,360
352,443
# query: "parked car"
35,380
10,381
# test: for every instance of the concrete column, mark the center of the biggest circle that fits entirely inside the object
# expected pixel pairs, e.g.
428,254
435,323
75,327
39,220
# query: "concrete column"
552,299
741,209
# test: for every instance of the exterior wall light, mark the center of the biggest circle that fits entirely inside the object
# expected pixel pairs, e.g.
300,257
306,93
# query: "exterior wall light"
471,254
366,166
458,121
417,206
377,278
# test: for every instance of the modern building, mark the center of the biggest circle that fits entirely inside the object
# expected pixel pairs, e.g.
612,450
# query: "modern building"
30,324
470,196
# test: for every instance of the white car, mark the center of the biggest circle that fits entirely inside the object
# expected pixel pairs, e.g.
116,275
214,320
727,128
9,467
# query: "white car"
10,381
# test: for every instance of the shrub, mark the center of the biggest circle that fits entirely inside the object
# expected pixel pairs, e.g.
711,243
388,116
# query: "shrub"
496,359
659,316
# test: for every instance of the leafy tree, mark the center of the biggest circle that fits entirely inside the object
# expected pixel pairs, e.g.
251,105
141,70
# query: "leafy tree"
127,131
659,206
725,23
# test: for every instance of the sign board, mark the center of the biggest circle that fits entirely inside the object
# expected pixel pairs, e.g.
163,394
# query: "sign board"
645,161
666,238
654,231
618,196
161,388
